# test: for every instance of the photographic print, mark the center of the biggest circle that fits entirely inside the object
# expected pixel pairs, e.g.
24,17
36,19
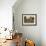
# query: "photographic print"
29,19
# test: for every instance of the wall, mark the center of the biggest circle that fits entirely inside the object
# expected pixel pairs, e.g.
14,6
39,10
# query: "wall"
28,7
6,13
43,22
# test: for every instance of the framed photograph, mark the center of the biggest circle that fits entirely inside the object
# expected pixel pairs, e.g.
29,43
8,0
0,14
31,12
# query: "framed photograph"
29,19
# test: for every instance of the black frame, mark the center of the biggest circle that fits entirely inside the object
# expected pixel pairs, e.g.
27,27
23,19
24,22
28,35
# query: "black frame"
29,24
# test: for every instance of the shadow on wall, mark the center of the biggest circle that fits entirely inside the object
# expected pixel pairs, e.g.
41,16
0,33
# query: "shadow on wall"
17,4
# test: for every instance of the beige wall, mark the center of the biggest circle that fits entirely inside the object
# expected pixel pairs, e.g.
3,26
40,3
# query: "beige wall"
28,7
37,33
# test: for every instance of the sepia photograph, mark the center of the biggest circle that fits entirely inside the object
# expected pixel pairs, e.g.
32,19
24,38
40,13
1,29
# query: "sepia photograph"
29,19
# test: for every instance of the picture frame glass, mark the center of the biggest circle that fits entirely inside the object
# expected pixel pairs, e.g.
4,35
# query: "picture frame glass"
29,19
